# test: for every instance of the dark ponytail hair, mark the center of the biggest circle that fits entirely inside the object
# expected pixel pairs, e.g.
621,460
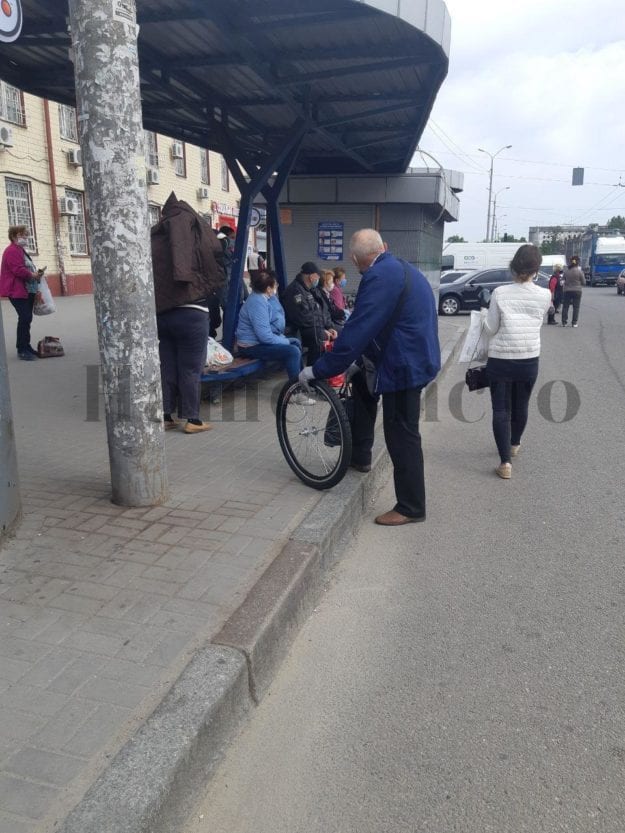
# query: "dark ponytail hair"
526,262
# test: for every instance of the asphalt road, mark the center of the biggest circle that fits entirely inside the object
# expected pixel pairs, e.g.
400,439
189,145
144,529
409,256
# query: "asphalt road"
468,674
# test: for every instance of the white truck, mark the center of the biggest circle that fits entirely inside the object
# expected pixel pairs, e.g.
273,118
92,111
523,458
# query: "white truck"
477,255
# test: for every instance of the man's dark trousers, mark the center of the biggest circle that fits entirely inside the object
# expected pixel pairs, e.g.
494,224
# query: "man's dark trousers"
402,437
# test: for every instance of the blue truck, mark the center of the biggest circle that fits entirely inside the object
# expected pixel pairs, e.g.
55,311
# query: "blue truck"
601,255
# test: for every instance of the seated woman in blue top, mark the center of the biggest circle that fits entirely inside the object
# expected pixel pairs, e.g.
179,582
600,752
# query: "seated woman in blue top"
260,332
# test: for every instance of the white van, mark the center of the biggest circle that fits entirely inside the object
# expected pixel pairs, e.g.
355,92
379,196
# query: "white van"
549,261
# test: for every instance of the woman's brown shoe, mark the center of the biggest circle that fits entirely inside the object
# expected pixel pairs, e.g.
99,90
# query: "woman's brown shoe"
504,471
192,428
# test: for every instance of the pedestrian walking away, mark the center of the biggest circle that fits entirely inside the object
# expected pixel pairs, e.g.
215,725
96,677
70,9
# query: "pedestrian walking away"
556,282
394,326
187,260
512,323
574,280
19,281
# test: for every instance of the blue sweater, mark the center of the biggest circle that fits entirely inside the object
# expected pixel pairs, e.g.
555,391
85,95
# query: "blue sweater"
412,356
255,322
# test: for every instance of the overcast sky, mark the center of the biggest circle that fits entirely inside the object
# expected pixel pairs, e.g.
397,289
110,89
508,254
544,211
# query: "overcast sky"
548,78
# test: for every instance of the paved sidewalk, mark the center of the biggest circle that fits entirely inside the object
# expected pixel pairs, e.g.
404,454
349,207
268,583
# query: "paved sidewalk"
102,607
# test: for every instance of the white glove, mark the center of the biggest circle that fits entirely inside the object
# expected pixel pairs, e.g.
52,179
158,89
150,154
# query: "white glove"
305,377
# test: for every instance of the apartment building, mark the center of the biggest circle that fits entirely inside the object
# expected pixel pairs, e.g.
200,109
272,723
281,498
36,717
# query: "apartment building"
43,189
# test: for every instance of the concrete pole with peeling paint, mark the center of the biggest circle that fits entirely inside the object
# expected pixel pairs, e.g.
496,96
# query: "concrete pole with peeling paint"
10,504
104,39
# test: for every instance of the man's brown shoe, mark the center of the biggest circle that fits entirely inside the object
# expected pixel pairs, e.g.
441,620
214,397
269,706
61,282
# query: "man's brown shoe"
394,518
191,428
170,424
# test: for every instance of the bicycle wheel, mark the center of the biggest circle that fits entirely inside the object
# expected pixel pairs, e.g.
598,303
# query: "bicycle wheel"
314,433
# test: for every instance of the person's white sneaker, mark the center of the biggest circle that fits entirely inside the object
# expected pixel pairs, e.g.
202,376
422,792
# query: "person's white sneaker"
302,399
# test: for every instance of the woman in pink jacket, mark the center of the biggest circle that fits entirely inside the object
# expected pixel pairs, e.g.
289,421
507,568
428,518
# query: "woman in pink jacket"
18,283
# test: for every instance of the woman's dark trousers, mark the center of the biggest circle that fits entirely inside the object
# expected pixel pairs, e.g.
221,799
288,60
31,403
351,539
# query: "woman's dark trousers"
511,384
24,309
574,298
183,337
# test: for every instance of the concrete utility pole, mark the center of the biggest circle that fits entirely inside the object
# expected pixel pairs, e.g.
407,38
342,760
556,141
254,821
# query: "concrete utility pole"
10,504
104,38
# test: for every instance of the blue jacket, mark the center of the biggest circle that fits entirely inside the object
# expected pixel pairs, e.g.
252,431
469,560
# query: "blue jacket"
412,356
254,325
276,316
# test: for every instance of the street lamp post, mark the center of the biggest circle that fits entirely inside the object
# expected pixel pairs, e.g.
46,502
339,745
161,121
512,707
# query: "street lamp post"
494,225
490,184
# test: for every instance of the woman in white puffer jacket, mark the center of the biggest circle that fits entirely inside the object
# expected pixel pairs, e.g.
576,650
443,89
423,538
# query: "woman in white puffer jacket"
513,323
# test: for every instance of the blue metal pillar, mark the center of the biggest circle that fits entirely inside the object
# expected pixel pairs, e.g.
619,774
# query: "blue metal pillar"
250,189
271,193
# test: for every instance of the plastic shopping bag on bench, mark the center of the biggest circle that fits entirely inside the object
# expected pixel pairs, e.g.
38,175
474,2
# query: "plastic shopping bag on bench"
216,354
475,347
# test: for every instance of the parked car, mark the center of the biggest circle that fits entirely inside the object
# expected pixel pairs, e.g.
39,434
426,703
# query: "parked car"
620,283
454,274
464,293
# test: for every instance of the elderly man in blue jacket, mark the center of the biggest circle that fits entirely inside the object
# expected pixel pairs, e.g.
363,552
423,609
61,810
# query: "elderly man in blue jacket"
394,323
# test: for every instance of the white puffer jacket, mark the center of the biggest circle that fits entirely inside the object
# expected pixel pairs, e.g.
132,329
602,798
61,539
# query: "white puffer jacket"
514,319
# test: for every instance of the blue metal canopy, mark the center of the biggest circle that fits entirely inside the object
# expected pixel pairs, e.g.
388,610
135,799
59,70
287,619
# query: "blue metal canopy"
362,74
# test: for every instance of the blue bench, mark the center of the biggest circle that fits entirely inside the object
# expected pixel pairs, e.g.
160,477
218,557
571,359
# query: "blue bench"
237,369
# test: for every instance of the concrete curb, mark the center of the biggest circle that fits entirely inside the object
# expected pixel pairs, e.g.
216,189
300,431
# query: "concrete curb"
150,785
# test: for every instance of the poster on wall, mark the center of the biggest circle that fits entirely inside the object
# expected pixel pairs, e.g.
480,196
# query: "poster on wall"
330,245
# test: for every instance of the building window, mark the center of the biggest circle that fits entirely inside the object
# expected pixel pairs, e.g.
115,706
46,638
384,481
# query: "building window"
205,171
225,175
68,126
154,214
180,162
20,208
77,225
12,104
151,149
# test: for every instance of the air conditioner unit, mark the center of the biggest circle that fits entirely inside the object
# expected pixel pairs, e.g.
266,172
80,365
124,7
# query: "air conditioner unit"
68,206
202,193
177,151
74,157
152,176
6,137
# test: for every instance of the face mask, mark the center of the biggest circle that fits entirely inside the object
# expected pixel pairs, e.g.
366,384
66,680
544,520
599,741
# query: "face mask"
343,282
315,283
22,241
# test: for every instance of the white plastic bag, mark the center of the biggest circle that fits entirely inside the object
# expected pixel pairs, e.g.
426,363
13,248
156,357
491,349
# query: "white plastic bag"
475,347
44,302
216,354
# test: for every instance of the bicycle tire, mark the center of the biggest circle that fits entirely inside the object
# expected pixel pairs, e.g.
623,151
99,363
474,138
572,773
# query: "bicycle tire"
302,433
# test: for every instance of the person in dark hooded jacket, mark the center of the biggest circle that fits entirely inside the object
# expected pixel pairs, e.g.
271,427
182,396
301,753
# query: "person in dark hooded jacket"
187,261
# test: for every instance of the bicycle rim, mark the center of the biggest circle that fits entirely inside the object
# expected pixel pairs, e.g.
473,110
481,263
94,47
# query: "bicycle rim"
314,434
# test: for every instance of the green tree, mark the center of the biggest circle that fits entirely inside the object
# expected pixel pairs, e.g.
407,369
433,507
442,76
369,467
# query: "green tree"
617,222
455,238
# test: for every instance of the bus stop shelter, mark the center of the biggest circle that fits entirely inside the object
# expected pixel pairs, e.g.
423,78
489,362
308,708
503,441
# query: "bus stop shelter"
276,86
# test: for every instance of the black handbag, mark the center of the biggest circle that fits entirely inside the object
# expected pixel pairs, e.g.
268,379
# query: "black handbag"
476,378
